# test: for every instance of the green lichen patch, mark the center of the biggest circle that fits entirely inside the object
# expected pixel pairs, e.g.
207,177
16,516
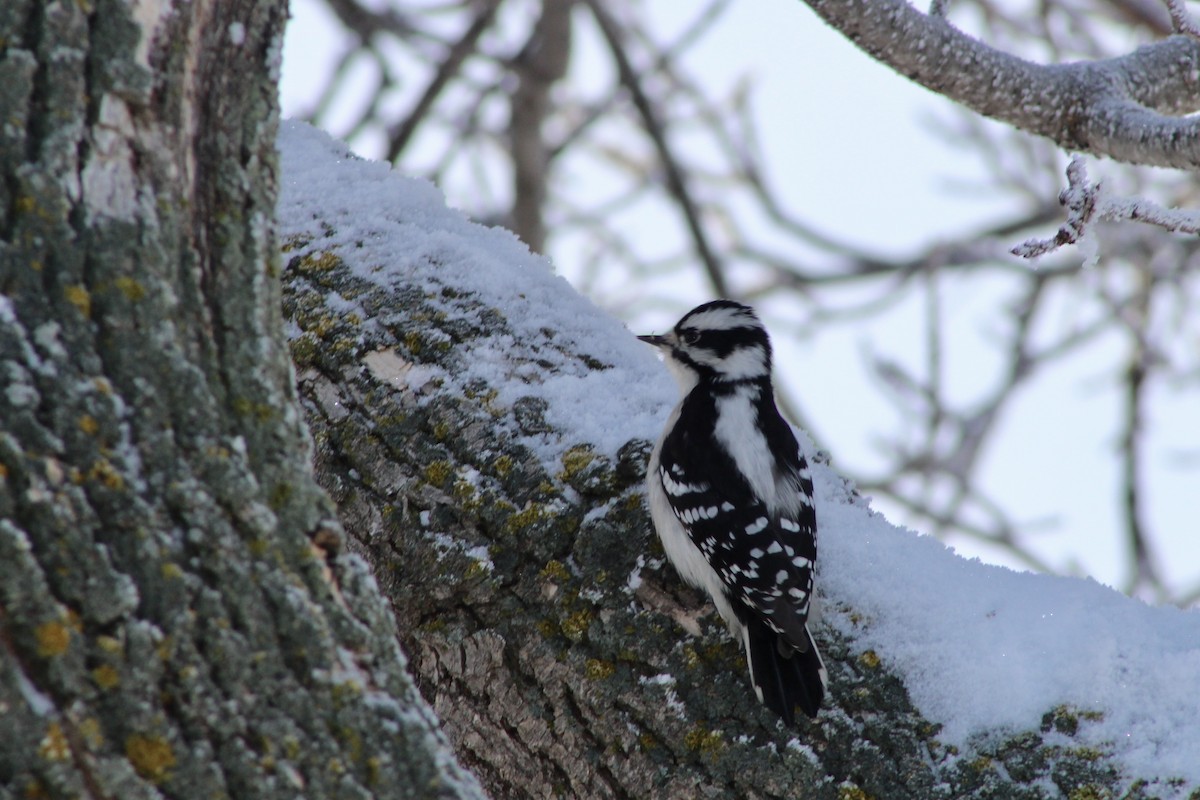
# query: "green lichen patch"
597,669
849,791
587,472
575,626
320,261
869,659
151,756
438,473
555,571
705,742
53,639
1066,720
133,290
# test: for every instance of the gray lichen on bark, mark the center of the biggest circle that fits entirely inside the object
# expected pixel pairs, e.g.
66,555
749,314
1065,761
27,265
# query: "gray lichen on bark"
510,581
175,617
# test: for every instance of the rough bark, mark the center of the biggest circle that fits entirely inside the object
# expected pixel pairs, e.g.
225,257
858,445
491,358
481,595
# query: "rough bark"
511,583
176,619
1131,108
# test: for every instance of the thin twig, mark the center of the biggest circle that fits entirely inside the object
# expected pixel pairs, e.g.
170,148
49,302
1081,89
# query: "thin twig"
676,182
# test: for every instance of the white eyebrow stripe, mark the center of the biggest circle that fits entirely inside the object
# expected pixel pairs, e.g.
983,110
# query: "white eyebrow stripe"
722,319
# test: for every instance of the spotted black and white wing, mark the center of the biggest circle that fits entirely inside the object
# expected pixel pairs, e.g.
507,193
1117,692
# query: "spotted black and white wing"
764,560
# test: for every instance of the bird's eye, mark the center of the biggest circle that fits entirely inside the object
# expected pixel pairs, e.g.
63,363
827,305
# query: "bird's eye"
690,336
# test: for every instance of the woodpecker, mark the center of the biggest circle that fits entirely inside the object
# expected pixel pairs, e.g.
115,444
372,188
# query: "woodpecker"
731,498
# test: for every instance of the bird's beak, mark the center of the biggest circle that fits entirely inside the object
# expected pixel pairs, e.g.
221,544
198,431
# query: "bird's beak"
657,341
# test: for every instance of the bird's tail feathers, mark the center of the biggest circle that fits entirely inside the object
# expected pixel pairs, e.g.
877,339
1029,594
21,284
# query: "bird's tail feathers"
784,678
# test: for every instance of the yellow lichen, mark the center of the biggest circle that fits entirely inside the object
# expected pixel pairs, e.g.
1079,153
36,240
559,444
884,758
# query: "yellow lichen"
151,756
555,571
413,342
78,296
109,644
104,472
292,748
703,741
323,326
106,677
848,791
132,289
503,465
525,517
576,625
476,569
597,670
54,745
165,648
88,424
575,460
869,659
53,639
438,472
320,262
171,571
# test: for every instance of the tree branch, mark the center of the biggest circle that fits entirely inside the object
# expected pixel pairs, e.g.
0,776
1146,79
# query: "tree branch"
676,182
399,137
1086,203
1121,107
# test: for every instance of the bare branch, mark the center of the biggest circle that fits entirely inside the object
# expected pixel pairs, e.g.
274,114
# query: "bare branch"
1086,202
399,137
1181,20
1124,107
676,182
1080,200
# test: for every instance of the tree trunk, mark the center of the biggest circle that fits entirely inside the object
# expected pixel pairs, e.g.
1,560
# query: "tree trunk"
175,616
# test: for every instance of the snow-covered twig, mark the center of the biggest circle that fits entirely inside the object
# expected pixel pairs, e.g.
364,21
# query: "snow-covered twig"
1080,200
1086,202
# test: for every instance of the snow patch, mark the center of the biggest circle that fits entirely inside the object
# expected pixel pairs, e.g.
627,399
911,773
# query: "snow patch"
392,231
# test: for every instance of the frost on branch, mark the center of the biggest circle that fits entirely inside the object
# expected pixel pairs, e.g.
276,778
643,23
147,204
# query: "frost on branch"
1086,202
1181,20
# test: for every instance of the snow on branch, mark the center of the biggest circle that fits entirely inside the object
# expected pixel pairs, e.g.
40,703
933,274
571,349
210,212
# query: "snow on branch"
1132,108
1086,202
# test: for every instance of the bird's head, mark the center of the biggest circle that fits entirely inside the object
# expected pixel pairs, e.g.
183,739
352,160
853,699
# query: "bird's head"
721,341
